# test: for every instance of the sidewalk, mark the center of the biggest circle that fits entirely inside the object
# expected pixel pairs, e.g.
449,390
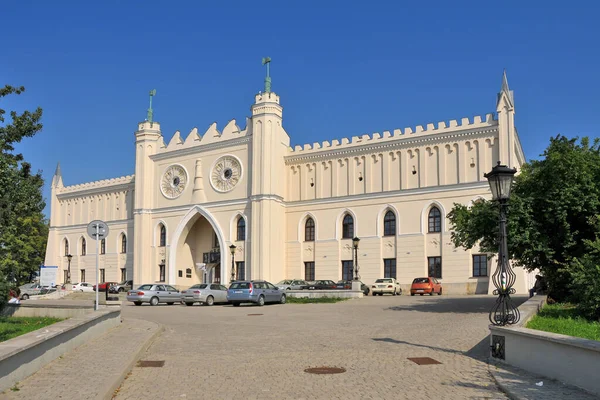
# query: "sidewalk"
92,371
521,385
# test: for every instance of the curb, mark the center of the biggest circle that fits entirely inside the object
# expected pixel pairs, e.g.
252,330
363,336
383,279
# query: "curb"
113,387
503,388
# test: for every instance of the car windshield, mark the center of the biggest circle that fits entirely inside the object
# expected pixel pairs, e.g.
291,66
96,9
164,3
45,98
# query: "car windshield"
145,287
240,285
383,281
202,286
285,282
421,280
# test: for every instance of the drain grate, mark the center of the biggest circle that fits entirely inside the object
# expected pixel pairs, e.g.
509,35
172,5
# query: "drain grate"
254,315
151,364
325,370
424,361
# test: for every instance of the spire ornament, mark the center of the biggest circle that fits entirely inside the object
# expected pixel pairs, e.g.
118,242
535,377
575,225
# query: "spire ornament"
150,112
266,61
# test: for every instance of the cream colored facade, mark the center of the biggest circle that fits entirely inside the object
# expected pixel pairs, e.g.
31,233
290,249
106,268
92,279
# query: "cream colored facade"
196,188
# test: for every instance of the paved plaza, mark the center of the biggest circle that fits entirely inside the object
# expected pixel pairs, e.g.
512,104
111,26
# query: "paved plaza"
231,353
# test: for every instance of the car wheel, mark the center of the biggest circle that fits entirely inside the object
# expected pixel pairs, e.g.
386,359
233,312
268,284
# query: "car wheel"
440,292
170,303
236,304
432,292
120,290
210,301
189,304
137,303
154,301
420,294
81,290
393,294
283,299
412,294
261,300
25,297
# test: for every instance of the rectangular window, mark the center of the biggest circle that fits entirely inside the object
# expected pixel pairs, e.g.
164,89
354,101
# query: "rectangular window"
389,268
240,269
102,275
435,267
123,274
480,265
188,273
103,246
161,271
309,271
180,273
82,275
347,270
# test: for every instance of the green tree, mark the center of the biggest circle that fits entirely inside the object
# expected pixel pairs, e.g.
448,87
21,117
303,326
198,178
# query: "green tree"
549,215
23,229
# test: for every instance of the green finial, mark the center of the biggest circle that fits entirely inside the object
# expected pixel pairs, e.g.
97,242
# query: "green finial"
267,61
152,94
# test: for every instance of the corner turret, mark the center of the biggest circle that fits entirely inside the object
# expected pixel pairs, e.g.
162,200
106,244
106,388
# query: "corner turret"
505,107
57,178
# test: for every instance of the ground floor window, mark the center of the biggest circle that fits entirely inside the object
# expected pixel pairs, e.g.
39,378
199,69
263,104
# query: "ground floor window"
188,273
240,269
161,272
82,275
389,268
347,270
435,267
480,265
217,275
123,274
102,275
180,273
309,271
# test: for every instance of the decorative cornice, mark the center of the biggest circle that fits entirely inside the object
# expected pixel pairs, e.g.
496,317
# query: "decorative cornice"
395,143
96,187
79,226
200,148
260,197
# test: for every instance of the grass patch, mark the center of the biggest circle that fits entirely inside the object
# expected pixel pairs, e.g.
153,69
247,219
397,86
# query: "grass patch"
308,300
11,327
564,319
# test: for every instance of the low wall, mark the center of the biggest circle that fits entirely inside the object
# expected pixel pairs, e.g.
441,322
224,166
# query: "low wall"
43,309
312,294
571,360
26,354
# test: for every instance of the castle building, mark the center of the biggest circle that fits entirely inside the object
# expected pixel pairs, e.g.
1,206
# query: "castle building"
243,203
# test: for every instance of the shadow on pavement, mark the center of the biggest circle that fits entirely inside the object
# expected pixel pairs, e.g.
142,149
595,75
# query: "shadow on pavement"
479,351
462,305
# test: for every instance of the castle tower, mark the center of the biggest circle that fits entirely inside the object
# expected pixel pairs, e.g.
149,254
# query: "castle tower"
146,144
269,146
506,125
52,257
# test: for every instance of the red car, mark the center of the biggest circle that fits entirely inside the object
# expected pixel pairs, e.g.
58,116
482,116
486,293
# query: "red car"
425,286
102,287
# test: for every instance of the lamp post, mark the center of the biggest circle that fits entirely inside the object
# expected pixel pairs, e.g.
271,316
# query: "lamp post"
69,257
355,245
503,312
232,249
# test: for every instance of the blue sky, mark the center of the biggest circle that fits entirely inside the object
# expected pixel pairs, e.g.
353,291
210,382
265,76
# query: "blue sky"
340,69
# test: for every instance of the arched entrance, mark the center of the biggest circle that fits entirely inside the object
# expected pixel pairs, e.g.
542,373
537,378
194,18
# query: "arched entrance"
196,246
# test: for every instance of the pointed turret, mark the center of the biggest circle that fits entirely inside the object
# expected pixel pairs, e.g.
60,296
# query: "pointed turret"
505,90
57,179
505,107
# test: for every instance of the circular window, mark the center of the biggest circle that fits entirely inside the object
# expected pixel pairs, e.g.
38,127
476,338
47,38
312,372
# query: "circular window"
226,173
174,181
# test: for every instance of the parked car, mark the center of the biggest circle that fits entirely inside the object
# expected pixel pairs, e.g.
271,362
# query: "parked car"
82,287
204,293
29,289
258,292
347,285
291,284
154,294
386,285
426,286
320,285
102,287
121,287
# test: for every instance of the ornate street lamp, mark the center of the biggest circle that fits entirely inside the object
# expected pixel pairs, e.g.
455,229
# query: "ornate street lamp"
69,257
232,249
503,312
355,245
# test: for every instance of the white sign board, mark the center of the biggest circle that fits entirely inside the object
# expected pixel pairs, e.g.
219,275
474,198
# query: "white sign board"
48,275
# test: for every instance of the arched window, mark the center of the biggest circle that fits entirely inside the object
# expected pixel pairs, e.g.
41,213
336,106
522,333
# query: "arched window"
389,224
309,230
66,247
241,229
83,247
103,246
163,236
123,244
348,227
435,220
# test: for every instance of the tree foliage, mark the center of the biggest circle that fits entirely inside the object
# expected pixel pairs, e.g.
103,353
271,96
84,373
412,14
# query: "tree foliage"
23,229
551,216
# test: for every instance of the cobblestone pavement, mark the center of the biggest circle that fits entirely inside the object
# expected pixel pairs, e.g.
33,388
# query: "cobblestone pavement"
223,352
89,371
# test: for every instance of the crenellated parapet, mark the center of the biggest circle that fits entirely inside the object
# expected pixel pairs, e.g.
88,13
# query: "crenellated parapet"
101,184
211,136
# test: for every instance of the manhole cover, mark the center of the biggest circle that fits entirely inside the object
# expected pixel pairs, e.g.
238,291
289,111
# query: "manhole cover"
325,370
154,364
254,315
424,361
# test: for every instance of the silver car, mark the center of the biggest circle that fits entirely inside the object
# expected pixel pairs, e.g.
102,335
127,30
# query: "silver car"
154,294
204,293
291,284
30,289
